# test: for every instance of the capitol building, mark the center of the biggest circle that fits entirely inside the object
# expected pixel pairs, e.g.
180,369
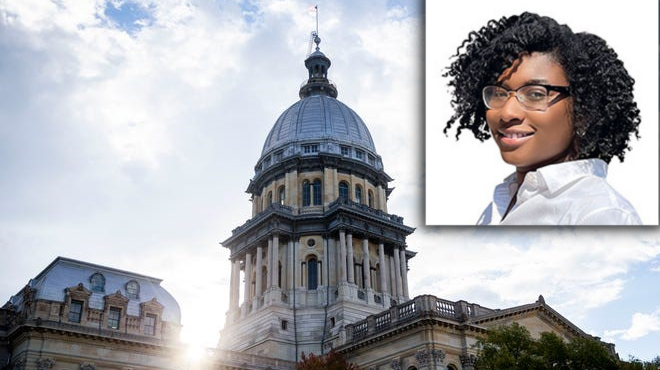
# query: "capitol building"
321,265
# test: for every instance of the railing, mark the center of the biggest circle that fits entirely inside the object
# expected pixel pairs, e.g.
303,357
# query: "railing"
425,305
365,208
272,208
340,202
243,359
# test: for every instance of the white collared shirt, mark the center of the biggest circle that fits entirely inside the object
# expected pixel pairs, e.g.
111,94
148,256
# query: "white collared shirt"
569,193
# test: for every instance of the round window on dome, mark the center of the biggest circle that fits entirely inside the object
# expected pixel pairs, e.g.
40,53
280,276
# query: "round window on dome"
311,242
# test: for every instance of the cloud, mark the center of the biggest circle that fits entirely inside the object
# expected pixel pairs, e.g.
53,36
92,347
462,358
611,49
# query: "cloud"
642,325
575,269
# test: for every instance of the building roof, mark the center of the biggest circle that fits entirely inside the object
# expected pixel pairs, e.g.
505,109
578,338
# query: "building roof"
62,273
319,118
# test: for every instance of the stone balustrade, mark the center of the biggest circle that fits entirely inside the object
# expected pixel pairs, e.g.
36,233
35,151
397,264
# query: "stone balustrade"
420,306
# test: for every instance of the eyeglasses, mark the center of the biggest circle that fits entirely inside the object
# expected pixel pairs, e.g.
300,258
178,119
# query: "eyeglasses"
531,97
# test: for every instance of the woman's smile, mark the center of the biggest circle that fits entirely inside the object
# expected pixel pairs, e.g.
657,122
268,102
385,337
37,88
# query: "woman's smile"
531,139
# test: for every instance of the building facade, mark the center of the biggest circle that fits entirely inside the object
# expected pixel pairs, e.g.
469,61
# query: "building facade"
320,251
322,265
77,315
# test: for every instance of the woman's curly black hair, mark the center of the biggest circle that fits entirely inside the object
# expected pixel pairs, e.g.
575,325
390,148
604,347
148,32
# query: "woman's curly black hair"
604,110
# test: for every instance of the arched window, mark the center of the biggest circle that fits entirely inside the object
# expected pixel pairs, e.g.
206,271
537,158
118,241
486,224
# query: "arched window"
358,194
370,199
451,367
318,199
133,289
343,190
312,274
98,282
306,193
281,196
269,199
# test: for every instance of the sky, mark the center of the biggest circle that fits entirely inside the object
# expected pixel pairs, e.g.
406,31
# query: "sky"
129,131
477,167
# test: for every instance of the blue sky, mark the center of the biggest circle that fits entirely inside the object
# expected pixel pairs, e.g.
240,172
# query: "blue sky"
129,132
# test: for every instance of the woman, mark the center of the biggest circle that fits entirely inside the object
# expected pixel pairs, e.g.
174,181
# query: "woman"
559,106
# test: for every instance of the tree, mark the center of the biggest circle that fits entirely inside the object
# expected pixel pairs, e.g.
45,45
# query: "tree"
512,347
637,364
330,361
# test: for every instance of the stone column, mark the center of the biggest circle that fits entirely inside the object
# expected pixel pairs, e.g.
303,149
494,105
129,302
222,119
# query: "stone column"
381,263
342,256
289,268
349,258
366,264
296,262
247,296
234,284
276,260
326,262
404,273
392,275
397,272
258,272
269,262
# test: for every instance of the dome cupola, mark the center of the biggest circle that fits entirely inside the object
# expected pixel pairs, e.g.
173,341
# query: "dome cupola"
317,83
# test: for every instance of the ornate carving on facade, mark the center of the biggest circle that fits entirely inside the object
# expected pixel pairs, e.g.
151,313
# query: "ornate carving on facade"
427,356
87,366
396,364
45,363
19,364
468,361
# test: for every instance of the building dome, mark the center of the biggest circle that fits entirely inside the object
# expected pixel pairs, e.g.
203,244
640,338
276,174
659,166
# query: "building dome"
318,125
322,119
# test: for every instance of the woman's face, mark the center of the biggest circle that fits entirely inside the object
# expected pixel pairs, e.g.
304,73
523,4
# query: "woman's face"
532,139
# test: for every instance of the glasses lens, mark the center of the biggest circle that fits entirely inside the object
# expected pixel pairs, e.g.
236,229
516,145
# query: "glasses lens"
533,97
495,97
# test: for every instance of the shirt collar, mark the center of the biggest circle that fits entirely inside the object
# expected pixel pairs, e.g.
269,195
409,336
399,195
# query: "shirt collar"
556,176
551,178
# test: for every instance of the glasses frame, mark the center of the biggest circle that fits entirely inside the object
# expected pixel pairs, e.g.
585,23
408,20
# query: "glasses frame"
563,91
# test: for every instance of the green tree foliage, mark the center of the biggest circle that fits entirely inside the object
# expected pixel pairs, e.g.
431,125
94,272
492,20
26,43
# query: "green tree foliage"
330,361
637,364
512,348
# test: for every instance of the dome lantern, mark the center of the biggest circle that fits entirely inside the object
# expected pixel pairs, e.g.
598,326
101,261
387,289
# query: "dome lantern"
317,83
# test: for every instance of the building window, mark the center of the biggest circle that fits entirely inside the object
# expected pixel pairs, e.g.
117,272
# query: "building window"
312,274
372,159
332,322
282,195
451,367
307,191
310,148
150,324
312,193
269,198
285,324
346,151
98,282
113,317
370,199
133,289
358,194
359,154
317,193
266,161
75,311
278,156
343,190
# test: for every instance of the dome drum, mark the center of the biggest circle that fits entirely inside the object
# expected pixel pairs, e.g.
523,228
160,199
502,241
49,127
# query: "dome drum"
281,163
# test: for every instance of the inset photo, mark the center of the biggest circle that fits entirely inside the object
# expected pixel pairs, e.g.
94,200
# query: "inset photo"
541,113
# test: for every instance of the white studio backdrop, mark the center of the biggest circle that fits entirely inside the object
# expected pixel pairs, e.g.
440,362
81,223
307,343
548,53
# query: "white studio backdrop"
461,175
